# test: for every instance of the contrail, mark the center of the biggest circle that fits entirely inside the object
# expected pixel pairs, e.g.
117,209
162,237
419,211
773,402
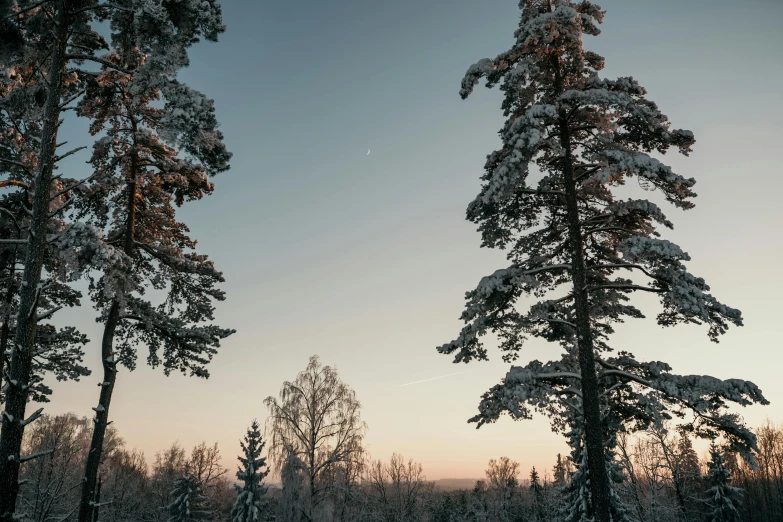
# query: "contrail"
432,378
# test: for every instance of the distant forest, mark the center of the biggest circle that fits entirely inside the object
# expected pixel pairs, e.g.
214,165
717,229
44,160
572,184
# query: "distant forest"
327,475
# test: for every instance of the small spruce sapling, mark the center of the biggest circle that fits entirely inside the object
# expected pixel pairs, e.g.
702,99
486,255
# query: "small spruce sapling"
250,505
723,499
189,504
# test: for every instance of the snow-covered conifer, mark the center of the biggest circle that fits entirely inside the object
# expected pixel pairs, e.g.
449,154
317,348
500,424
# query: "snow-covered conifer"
189,504
637,396
537,489
559,471
250,505
579,506
535,482
58,351
50,42
152,159
723,499
547,198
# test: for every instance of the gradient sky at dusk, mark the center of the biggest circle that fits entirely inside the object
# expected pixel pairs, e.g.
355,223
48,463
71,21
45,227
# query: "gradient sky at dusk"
364,260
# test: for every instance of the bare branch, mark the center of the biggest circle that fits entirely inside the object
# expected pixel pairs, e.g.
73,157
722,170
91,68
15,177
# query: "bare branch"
36,455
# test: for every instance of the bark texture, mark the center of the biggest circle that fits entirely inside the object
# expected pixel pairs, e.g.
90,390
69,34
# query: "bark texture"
13,418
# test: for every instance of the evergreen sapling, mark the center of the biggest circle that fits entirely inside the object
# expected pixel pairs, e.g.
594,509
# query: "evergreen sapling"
723,499
189,501
250,505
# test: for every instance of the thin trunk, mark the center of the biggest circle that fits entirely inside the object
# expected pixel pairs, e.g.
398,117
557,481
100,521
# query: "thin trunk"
675,472
632,477
312,441
676,479
13,421
90,484
599,478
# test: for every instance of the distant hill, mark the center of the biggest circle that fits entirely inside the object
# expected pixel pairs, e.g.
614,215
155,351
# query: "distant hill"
454,484
442,484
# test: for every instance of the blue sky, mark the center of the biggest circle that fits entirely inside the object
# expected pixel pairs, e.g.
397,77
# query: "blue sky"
364,260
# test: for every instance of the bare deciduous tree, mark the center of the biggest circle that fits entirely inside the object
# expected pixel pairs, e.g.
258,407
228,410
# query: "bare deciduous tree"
396,489
315,425
205,463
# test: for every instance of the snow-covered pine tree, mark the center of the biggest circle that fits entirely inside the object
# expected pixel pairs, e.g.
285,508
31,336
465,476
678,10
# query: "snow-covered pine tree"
151,160
535,481
57,350
537,490
51,40
723,499
189,504
637,396
559,471
567,230
578,505
444,509
250,505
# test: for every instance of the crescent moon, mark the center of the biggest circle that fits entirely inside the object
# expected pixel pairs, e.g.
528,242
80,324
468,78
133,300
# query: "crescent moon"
368,152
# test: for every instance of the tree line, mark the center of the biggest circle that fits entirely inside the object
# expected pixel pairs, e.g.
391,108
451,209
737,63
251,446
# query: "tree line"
662,476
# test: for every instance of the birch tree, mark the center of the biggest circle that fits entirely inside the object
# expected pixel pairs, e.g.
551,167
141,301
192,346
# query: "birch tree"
548,199
314,426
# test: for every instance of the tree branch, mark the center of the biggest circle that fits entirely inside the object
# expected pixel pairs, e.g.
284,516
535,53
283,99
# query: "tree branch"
107,63
625,287
18,164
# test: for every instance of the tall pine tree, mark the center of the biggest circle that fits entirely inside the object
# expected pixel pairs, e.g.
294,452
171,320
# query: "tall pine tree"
51,39
152,159
57,350
723,499
250,505
567,234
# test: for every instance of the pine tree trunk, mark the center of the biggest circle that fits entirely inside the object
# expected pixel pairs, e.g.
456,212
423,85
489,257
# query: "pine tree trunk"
599,478
90,484
7,260
97,500
22,354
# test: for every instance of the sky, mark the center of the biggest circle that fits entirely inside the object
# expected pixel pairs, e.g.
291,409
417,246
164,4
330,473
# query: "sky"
365,259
